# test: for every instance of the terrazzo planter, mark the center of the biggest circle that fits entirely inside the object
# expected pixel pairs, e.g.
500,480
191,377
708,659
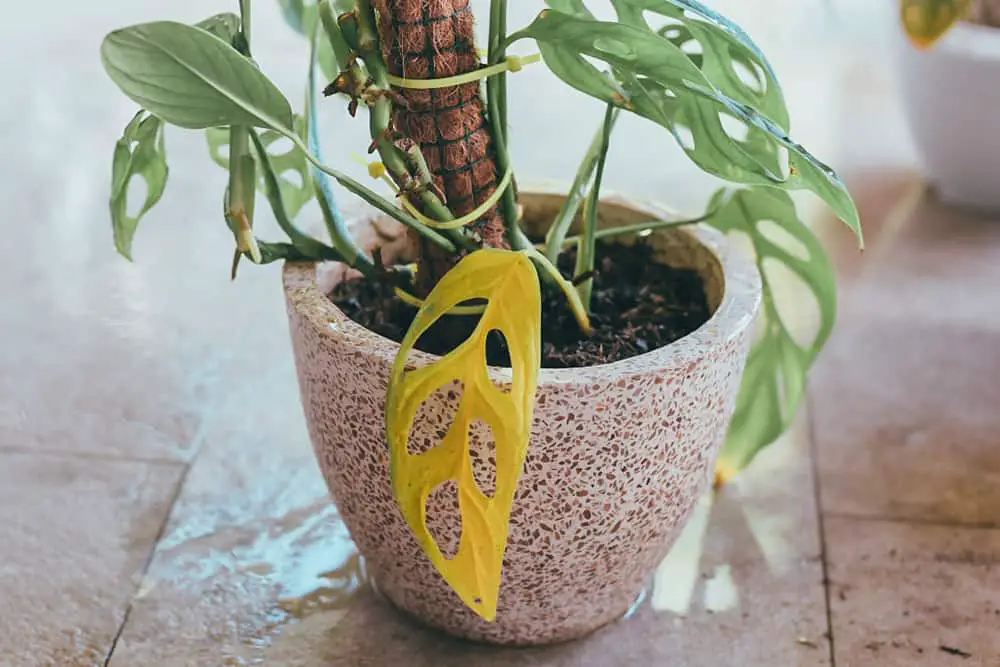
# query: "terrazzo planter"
619,453
950,95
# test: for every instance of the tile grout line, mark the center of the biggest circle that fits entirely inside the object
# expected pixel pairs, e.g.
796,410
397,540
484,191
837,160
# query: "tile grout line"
196,446
934,523
821,527
175,496
91,456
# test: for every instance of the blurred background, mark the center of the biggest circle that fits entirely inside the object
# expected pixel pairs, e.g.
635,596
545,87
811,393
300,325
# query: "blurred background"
159,500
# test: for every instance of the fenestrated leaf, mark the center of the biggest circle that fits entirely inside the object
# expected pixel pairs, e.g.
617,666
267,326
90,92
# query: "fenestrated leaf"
724,46
775,378
507,280
139,153
661,83
191,78
225,26
927,21
290,166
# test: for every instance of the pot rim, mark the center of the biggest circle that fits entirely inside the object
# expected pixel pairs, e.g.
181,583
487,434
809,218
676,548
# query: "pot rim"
736,312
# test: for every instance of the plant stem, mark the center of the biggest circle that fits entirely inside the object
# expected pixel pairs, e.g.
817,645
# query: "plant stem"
372,197
551,272
497,53
649,226
302,242
328,20
241,193
555,240
586,248
496,96
340,235
245,23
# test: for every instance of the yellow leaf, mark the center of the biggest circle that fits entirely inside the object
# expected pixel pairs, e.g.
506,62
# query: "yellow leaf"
926,21
508,282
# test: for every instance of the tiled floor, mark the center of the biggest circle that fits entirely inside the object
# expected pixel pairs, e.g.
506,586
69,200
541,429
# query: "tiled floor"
159,501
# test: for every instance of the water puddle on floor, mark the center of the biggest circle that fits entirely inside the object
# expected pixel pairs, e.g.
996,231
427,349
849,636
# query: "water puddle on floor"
293,583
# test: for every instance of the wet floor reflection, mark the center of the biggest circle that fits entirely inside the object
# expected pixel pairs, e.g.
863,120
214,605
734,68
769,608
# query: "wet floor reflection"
746,565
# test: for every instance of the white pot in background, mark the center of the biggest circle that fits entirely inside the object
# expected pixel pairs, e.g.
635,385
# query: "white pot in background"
951,95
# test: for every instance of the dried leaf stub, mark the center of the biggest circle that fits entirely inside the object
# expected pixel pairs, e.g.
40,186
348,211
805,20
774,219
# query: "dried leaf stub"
927,21
508,282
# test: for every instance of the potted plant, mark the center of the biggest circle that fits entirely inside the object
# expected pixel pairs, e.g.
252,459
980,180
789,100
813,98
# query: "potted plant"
516,402
948,60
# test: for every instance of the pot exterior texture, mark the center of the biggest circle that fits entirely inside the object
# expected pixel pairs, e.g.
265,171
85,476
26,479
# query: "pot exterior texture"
619,455
950,101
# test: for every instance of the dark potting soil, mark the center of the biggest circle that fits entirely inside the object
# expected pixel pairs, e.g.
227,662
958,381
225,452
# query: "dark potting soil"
638,305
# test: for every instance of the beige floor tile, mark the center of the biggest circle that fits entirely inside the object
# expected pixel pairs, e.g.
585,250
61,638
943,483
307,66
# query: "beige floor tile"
905,398
75,535
253,539
912,595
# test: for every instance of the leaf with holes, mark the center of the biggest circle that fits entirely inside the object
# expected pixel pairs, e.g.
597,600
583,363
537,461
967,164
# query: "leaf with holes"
508,282
654,78
775,378
190,78
290,165
927,21
140,152
725,48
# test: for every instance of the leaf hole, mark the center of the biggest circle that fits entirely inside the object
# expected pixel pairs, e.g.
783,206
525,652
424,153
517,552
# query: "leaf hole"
783,161
675,31
692,47
750,74
783,238
444,520
796,304
434,418
498,354
685,137
734,127
483,451
293,177
136,195
280,146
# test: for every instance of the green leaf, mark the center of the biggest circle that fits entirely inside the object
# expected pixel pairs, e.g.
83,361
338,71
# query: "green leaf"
572,7
725,48
191,78
281,252
139,153
291,166
225,26
774,381
654,78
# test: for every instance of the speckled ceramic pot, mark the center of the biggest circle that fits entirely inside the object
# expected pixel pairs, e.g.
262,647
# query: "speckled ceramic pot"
619,453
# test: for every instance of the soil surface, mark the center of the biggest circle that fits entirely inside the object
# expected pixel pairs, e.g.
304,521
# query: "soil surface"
638,306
